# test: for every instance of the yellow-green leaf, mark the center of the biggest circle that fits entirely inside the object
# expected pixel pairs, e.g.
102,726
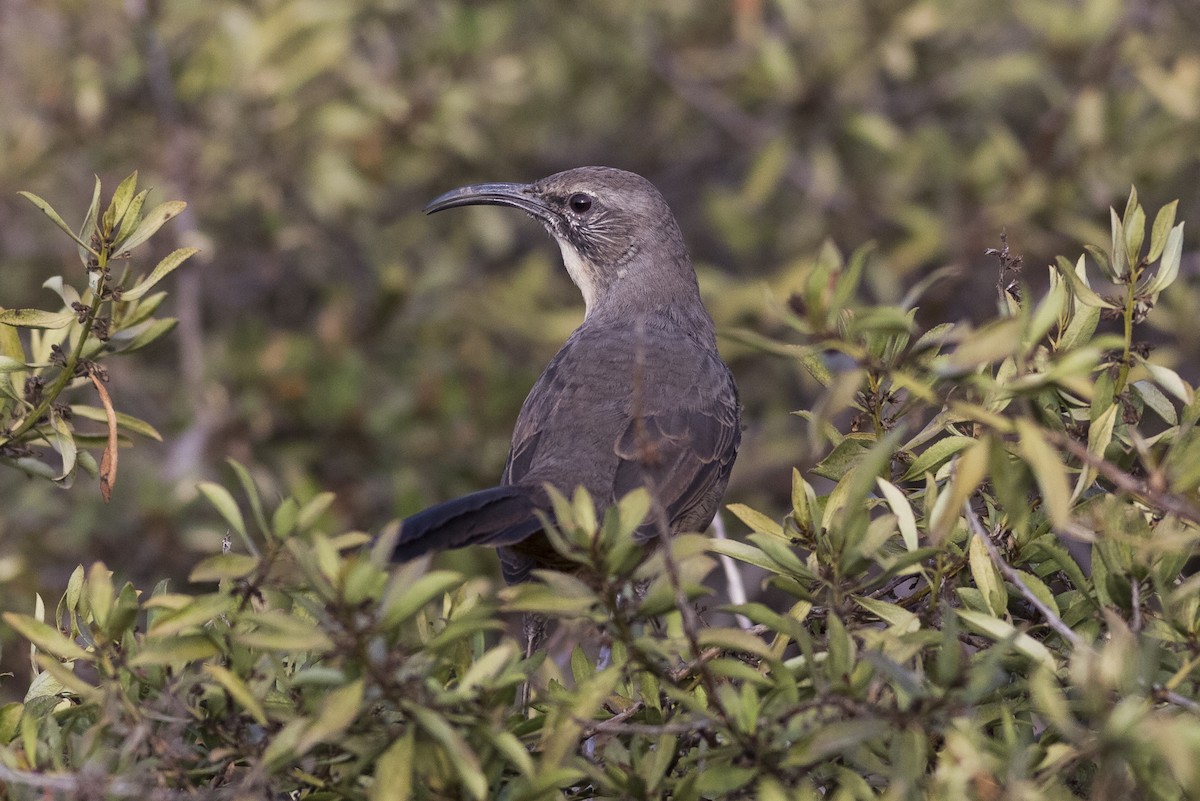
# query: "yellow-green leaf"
999,630
36,318
224,503
1048,470
987,577
164,268
46,638
239,692
153,220
756,520
223,566
49,211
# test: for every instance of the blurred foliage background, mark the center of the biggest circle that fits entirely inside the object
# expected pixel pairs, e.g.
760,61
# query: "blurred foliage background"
333,338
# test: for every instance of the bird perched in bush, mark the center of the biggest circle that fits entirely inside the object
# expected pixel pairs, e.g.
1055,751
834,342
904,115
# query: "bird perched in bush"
637,397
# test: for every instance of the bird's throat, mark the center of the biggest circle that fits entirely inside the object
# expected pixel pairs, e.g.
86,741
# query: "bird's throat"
581,273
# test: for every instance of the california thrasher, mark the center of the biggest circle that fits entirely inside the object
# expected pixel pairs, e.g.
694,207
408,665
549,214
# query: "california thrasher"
637,397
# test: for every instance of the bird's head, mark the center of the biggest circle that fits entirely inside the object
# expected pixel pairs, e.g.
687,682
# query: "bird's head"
610,224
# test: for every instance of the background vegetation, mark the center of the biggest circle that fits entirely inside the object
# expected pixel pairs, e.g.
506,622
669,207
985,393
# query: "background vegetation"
333,340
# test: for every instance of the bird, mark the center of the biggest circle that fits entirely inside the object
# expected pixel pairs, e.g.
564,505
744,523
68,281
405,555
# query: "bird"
638,396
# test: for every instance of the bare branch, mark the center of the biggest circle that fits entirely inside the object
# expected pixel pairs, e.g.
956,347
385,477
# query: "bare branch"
1010,573
1167,502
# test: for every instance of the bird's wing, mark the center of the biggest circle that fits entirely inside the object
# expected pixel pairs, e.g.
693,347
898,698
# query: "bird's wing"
682,449
586,423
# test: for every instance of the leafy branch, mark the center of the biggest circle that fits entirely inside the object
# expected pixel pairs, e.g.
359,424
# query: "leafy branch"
63,348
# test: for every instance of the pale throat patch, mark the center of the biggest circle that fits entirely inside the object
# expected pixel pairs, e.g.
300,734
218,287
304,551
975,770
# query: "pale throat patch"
580,273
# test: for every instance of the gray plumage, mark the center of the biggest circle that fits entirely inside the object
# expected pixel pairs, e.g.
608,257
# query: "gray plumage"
638,396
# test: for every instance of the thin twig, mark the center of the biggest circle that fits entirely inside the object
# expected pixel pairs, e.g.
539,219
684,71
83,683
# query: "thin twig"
1015,579
1180,700
592,728
1167,502
613,726
708,655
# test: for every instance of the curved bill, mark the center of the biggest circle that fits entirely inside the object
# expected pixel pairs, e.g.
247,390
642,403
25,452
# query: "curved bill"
517,195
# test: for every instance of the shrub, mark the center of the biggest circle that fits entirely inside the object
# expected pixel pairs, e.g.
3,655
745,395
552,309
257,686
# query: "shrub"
989,596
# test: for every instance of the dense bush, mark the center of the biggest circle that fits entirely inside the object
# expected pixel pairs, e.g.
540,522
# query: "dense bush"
992,599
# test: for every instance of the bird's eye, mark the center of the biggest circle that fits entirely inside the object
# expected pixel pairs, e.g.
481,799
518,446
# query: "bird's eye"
580,202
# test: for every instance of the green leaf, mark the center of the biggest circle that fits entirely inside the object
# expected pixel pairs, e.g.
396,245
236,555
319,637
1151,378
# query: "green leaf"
1099,436
1168,268
987,577
100,592
402,602
1048,471
151,333
721,780
458,752
133,314
393,780
1155,400
238,691
164,268
756,520
936,455
175,651
1164,221
64,443
730,639
312,511
11,365
222,567
1048,311
154,219
844,456
1169,380
119,204
193,614
276,630
1001,630
833,740
283,520
251,490
54,218
132,217
488,667
36,318
891,614
1050,702
1075,275
989,344
751,555
1135,232
124,421
906,520
337,710
1118,266
46,638
66,292
970,468
91,222
224,503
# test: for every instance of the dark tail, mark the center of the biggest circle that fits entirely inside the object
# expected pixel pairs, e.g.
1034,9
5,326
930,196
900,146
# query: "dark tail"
497,516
